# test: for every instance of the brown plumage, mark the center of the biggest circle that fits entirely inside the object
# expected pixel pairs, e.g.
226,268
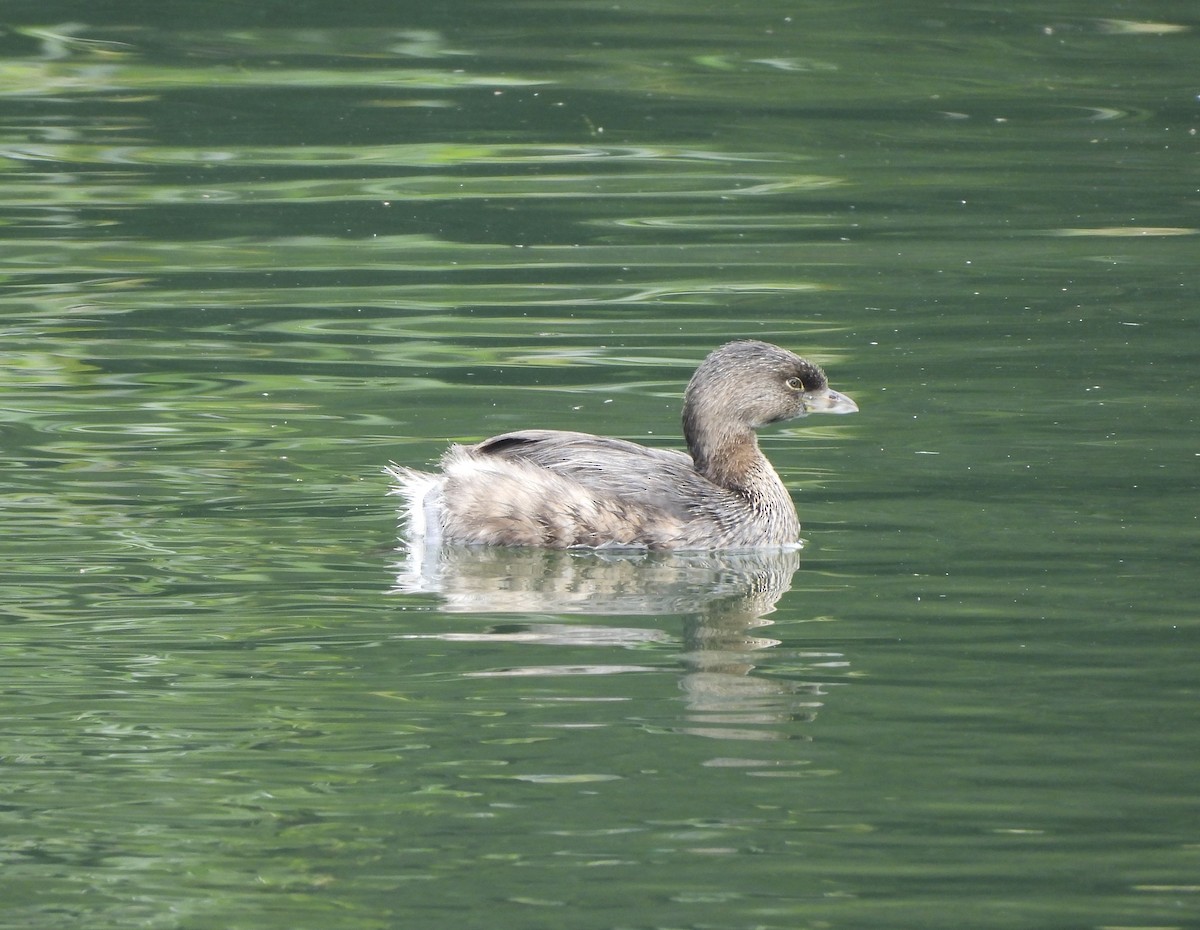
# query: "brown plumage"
560,489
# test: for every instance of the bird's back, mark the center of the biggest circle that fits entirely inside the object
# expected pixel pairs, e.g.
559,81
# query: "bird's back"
662,479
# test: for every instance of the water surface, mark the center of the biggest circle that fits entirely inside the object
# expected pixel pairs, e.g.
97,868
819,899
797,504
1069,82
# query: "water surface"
250,256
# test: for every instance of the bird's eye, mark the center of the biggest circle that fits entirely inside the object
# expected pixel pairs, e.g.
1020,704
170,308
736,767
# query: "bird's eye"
795,384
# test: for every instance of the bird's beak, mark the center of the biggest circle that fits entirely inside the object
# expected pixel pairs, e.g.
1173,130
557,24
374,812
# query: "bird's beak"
829,401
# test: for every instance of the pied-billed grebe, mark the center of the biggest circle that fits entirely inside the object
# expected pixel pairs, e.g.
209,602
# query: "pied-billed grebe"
560,489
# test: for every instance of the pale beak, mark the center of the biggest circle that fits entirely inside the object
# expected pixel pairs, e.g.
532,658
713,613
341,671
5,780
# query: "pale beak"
829,401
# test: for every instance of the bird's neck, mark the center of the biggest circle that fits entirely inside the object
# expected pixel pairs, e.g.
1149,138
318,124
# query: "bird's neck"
729,458
733,460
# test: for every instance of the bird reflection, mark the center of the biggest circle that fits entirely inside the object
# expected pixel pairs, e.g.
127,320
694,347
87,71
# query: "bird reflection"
724,597
496,579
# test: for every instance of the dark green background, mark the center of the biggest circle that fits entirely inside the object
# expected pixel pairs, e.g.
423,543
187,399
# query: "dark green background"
250,252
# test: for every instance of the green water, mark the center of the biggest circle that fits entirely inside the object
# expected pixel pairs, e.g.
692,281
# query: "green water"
247,256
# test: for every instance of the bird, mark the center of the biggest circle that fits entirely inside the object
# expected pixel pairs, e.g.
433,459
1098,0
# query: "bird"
560,489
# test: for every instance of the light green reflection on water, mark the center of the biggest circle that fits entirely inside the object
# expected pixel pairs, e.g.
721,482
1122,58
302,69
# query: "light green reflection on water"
689,184
660,157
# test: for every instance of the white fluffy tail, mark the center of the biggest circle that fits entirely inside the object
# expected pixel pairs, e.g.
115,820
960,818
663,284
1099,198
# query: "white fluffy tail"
422,508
